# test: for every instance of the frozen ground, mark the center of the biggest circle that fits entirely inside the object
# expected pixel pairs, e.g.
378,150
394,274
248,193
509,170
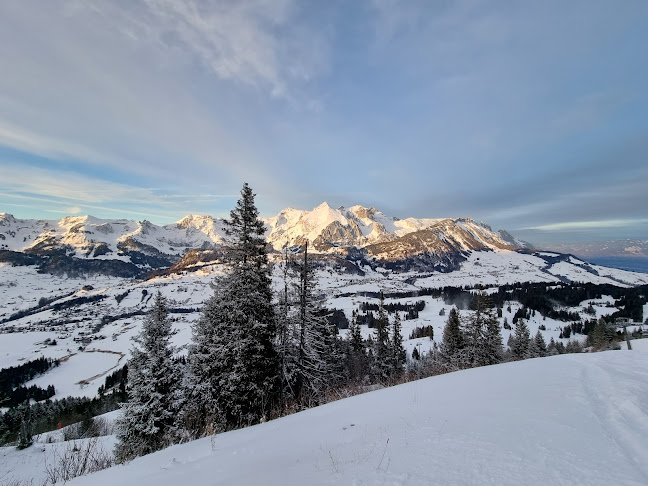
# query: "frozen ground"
569,420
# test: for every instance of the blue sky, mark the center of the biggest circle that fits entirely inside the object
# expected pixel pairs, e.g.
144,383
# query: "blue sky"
530,116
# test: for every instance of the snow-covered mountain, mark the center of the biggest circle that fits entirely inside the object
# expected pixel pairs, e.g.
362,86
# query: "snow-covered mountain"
327,228
90,237
357,233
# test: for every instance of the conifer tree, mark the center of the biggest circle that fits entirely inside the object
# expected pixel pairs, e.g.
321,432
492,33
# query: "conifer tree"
318,362
520,345
551,347
540,344
381,366
25,433
533,351
453,344
492,349
598,337
398,353
357,355
287,329
148,416
475,332
355,336
234,367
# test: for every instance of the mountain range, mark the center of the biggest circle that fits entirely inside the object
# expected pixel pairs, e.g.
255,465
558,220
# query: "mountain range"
126,247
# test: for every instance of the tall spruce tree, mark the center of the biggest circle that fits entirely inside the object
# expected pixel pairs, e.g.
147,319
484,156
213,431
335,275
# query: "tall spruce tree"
599,337
453,343
381,363
318,354
520,341
398,353
491,351
357,363
148,416
234,367
551,347
287,328
540,344
474,332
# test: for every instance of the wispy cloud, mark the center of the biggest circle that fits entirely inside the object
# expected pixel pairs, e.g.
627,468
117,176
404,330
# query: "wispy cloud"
146,87
251,41
575,225
56,190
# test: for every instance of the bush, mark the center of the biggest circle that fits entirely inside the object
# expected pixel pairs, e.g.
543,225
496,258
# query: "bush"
78,461
89,427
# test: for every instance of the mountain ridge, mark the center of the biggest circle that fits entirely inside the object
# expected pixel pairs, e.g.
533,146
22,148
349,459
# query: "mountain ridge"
347,232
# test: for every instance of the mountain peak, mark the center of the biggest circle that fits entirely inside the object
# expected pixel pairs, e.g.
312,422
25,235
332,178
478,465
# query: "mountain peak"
363,212
6,218
323,207
194,219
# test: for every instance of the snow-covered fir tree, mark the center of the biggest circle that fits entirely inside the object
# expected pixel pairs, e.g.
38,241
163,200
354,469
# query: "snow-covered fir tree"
492,349
357,362
234,368
520,340
287,327
398,353
319,360
540,344
474,334
551,347
452,349
599,337
147,423
381,362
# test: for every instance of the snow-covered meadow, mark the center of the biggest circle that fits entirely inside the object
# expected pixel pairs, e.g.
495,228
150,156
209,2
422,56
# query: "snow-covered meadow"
569,420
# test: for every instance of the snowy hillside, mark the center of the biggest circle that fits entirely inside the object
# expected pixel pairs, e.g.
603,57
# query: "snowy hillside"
570,419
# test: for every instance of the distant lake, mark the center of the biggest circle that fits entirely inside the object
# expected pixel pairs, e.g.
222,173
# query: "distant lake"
636,264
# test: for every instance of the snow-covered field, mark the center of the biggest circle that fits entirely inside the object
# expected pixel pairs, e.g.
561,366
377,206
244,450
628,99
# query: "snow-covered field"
79,331
569,420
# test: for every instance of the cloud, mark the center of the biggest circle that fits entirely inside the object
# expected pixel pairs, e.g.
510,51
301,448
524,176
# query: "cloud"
250,41
66,211
45,146
145,87
55,190
575,225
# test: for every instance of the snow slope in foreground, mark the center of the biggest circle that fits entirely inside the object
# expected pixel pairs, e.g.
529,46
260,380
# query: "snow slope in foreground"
570,419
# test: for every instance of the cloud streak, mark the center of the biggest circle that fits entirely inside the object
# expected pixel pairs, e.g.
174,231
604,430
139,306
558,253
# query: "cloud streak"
575,225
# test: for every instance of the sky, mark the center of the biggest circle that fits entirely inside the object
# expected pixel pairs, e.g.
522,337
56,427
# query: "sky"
529,116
